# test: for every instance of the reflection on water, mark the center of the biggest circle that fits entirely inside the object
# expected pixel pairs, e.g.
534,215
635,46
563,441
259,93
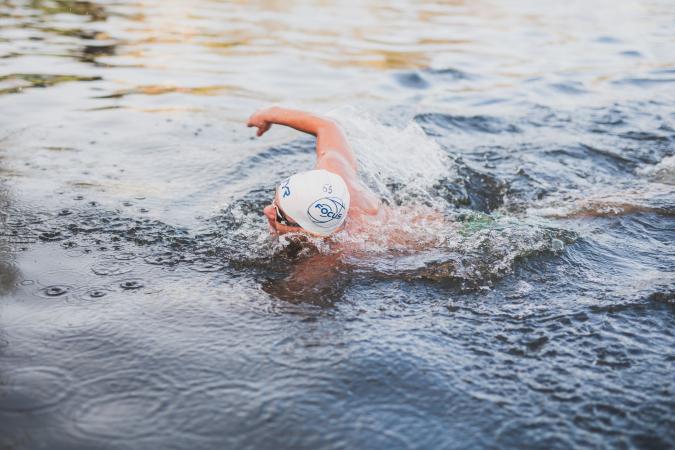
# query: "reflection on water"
144,304
17,82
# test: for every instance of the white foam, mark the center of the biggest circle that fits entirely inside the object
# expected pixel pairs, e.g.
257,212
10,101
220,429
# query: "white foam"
389,156
663,172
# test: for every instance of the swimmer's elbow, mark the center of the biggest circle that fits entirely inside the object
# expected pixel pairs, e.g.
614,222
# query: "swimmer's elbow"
326,127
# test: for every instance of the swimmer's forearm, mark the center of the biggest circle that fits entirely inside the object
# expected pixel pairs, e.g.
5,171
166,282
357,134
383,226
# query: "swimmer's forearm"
299,120
329,137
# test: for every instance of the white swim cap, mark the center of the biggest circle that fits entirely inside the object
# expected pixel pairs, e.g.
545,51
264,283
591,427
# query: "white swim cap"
318,200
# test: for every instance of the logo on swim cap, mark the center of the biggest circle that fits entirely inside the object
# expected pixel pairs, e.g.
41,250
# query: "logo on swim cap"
285,190
326,210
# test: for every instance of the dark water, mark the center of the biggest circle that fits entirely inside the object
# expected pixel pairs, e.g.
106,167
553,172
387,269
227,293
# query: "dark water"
144,305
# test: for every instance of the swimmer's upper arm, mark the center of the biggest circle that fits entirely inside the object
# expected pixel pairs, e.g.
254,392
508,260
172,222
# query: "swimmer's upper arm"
334,161
330,139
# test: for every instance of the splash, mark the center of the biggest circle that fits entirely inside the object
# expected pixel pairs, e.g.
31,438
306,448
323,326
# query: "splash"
472,248
420,233
400,164
643,197
663,172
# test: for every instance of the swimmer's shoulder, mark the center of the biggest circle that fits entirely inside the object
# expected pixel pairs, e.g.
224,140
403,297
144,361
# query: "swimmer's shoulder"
336,162
363,200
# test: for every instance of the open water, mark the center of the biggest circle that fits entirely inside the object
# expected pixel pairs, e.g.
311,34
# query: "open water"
143,303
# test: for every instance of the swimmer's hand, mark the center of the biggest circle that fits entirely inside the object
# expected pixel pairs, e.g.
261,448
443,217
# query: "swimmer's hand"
260,120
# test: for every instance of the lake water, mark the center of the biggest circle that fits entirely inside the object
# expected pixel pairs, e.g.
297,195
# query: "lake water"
143,303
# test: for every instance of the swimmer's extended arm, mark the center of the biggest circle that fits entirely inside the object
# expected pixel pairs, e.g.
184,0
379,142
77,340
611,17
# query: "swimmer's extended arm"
329,137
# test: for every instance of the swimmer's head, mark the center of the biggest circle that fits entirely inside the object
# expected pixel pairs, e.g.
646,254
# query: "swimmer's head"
315,201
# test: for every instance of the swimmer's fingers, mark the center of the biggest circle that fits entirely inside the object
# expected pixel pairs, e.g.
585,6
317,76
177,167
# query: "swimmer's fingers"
261,124
262,129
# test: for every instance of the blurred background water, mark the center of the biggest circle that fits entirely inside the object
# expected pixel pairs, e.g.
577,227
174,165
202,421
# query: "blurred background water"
143,303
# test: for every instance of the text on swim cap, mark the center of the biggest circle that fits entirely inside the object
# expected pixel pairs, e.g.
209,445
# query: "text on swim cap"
325,211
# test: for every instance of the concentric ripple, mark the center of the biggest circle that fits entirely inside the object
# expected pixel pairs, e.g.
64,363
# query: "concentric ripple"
122,406
33,389
124,416
56,290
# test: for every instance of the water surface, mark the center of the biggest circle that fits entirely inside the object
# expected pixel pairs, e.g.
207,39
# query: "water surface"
144,304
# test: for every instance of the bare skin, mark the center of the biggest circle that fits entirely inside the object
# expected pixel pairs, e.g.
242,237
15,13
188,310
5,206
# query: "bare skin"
332,154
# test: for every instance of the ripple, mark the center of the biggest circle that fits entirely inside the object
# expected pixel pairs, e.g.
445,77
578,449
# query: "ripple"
163,259
31,80
302,353
204,265
92,292
33,389
56,290
132,284
436,123
53,235
89,340
411,80
367,433
123,405
122,416
283,399
125,256
569,88
645,82
631,54
449,73
387,425
111,267
205,404
538,433
644,136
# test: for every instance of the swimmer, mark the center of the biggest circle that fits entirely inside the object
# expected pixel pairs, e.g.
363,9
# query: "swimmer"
326,199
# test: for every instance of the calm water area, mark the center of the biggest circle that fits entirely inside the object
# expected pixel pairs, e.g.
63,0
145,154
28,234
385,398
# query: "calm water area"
145,305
